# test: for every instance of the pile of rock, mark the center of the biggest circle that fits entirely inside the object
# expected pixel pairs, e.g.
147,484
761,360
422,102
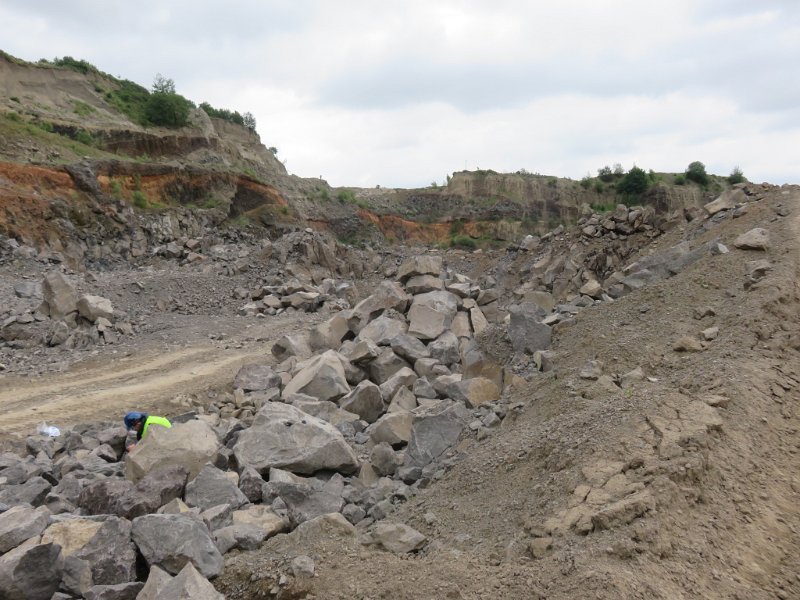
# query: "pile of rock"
620,223
275,297
363,410
62,317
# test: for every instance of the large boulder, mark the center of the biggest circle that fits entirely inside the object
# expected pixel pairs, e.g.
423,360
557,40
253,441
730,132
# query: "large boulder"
474,392
409,347
424,264
365,400
189,583
285,437
102,544
397,537
382,330
755,239
120,591
256,378
433,431
261,516
526,331
92,308
388,295
31,572
392,428
329,335
385,365
190,445
306,500
123,498
431,314
211,488
20,523
32,492
171,541
59,295
322,377
725,201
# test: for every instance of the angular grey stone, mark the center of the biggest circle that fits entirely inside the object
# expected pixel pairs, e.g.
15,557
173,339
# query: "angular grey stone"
392,428
403,400
755,239
474,391
434,431
191,445
218,517
388,295
59,294
322,377
170,541
526,332
382,330
245,536
291,345
386,365
445,348
305,501
431,314
105,545
93,308
398,538
409,347
365,400
405,377
361,351
189,584
421,284
250,483
20,523
285,437
383,459
30,572
425,264
32,492
120,591
256,377
211,488
156,581
329,335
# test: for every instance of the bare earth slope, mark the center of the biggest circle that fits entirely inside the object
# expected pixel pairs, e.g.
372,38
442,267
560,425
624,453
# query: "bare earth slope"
681,485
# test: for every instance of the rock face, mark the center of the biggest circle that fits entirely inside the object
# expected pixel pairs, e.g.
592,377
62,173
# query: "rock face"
285,437
190,445
172,541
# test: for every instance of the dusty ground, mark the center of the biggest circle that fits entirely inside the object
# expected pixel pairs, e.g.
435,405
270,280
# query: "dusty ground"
724,520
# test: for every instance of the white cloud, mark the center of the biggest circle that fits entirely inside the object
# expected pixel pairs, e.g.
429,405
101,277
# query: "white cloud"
366,93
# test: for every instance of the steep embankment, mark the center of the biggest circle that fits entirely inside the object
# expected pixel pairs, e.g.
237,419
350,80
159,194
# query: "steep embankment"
678,481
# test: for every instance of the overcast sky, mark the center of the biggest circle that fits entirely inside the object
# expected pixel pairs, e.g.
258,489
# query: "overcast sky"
400,94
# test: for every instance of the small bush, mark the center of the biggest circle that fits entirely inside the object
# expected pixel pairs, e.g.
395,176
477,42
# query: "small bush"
680,180
586,182
696,171
116,188
84,137
634,182
12,116
346,196
82,109
463,241
15,99
599,187
45,126
605,174
602,207
139,199
169,110
736,176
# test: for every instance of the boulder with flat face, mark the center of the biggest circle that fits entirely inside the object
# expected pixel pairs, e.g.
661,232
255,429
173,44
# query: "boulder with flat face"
388,295
382,330
365,400
31,572
285,437
431,314
93,308
526,331
59,295
211,488
434,431
189,583
20,523
190,445
256,378
322,377
424,264
172,541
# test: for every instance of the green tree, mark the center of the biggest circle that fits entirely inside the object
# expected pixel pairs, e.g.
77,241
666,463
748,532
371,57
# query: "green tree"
634,182
605,174
249,121
696,171
163,85
170,110
736,176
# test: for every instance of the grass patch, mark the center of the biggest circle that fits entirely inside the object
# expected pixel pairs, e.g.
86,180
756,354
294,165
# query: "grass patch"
463,241
139,199
603,207
82,109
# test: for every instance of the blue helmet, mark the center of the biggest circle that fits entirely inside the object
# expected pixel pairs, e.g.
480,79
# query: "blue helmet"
132,418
